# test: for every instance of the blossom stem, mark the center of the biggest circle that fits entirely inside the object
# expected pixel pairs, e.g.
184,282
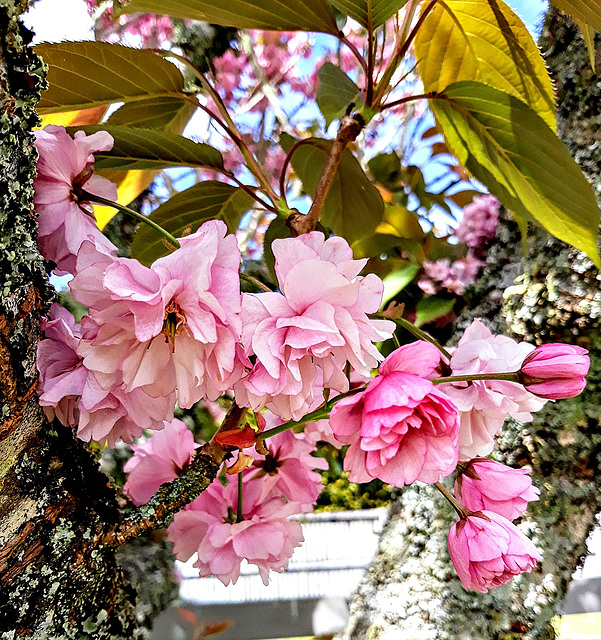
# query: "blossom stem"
239,512
509,377
90,197
418,333
255,282
462,512
319,414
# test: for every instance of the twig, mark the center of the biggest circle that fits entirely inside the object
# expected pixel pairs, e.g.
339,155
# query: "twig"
350,128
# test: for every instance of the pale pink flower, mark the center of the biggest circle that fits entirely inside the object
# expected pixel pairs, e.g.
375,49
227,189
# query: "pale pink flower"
72,393
488,485
288,469
484,405
158,460
62,378
401,428
487,551
304,336
265,537
454,276
64,169
174,325
321,430
555,371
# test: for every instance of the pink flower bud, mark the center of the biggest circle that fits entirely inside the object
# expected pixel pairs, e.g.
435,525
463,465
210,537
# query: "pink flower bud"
490,485
487,551
555,371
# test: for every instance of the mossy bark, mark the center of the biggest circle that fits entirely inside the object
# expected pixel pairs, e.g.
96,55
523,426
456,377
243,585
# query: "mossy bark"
411,590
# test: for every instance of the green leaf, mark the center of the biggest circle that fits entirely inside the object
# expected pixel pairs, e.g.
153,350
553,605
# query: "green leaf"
354,207
511,150
335,92
396,281
370,13
90,74
483,40
386,169
431,308
587,11
166,113
399,221
276,229
278,15
186,211
137,148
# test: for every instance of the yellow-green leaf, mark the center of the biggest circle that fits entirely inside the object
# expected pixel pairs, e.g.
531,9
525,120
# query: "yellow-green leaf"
369,13
87,74
485,41
278,15
137,148
184,212
431,308
511,150
588,34
587,11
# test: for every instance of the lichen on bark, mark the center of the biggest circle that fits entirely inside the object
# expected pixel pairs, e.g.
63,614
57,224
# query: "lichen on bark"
553,294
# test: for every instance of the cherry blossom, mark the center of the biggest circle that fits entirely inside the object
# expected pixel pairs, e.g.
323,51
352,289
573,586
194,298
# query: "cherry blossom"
488,485
484,405
303,337
157,460
209,527
487,551
64,169
401,428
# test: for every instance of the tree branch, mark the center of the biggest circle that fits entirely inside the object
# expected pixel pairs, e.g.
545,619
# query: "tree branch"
350,128
175,495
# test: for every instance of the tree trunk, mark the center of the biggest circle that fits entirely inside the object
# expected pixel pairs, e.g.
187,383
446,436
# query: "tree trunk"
411,590
55,580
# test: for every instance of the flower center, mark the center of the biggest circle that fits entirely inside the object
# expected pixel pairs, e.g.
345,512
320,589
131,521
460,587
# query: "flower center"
271,464
173,321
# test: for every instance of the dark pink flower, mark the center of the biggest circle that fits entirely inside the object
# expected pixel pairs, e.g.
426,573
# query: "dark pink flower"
64,169
492,486
158,460
401,428
555,371
487,551
264,537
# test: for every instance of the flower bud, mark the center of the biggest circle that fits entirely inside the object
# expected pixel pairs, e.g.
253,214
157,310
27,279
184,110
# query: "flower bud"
486,484
487,551
555,371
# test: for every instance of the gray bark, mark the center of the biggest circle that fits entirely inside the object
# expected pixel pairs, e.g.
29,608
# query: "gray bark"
411,590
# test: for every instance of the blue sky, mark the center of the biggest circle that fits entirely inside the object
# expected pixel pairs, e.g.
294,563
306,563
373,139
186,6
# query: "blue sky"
530,11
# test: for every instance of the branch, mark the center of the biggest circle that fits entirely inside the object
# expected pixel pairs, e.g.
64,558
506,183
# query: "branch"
175,495
350,128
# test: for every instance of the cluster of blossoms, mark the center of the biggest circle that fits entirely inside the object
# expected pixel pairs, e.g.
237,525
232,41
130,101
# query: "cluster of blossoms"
180,331
477,227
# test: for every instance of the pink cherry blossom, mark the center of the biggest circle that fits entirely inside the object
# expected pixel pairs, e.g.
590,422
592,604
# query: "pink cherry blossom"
484,405
487,551
479,222
555,371
72,393
492,486
174,325
304,336
288,469
264,537
65,169
401,428
159,459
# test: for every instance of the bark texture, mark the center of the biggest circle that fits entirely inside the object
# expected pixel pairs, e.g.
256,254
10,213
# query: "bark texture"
411,590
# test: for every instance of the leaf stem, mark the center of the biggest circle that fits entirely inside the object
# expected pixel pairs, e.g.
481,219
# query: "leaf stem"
420,96
255,282
418,333
354,51
85,195
287,161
